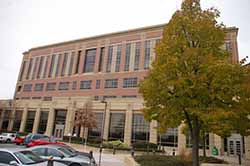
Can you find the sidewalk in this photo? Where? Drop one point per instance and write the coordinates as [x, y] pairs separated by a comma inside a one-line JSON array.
[[234, 161]]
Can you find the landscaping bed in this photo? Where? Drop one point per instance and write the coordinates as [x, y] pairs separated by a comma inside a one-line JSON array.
[[160, 160]]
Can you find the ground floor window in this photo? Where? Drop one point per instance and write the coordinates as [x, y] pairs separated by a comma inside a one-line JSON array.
[[201, 143], [30, 121], [96, 132], [140, 129], [43, 122], [6, 118], [169, 138], [17, 121], [116, 128]]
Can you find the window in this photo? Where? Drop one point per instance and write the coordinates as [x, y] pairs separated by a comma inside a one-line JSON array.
[[46, 66], [40, 67], [43, 122], [36, 98], [170, 138], [35, 68], [147, 54], [52, 63], [111, 83], [29, 68], [89, 61], [127, 57], [30, 121], [17, 121], [63, 86], [71, 63], [51, 86], [129, 96], [6, 158], [54, 153], [85, 84], [47, 98], [38, 87], [228, 46], [22, 71], [78, 61], [109, 61], [137, 56], [74, 85], [98, 84], [109, 97], [65, 60], [27, 87], [130, 82], [96, 132], [118, 58], [58, 64], [39, 151], [117, 124], [140, 128], [101, 59]]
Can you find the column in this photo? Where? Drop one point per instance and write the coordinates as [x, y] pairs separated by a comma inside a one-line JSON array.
[[211, 143], [1, 118], [36, 121], [12, 118], [106, 122], [128, 125], [181, 139], [153, 132], [50, 123], [69, 124], [24, 118], [219, 144], [247, 147]]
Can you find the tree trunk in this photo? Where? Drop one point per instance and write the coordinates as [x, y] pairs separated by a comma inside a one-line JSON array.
[[195, 142]]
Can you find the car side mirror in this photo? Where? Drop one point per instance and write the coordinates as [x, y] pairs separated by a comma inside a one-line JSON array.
[[14, 163], [62, 156]]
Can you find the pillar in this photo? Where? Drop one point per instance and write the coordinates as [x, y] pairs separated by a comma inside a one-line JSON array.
[[106, 122], [247, 147], [36, 121], [181, 139], [24, 118], [219, 144], [51, 121], [153, 132], [69, 123], [128, 125], [12, 118], [1, 118]]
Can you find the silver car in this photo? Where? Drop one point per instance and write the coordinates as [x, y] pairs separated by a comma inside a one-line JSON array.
[[61, 154], [22, 157]]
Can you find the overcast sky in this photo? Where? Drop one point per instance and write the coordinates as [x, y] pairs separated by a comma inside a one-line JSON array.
[[29, 23]]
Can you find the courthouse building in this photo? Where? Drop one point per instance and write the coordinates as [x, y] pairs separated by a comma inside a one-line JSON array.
[[57, 79]]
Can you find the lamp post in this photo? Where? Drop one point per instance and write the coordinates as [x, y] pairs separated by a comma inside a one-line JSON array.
[[102, 132]]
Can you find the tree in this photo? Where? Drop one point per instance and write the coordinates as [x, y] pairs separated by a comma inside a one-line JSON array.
[[192, 80], [85, 118]]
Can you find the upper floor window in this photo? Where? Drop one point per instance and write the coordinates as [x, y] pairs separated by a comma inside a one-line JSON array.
[[137, 55], [58, 64], [100, 65], [228, 46], [118, 58], [40, 67], [147, 54], [98, 84], [38, 87], [89, 61], [52, 63], [63, 86], [85, 84], [22, 71], [35, 68], [130, 82], [127, 57], [109, 61], [74, 85], [78, 61], [27, 87], [111, 83], [71, 63], [46, 66], [29, 68], [65, 60], [51, 86]]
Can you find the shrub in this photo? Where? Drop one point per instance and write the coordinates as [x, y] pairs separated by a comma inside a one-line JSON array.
[[144, 146], [212, 160]]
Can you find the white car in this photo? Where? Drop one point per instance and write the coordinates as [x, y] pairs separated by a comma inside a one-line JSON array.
[[7, 137]]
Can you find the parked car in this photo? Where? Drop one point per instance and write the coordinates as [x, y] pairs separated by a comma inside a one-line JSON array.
[[22, 157], [61, 154], [7, 137], [43, 142], [19, 140], [31, 137]]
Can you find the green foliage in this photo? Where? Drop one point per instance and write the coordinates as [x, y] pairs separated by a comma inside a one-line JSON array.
[[143, 145], [115, 144]]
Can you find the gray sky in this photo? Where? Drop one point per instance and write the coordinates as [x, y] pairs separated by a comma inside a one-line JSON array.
[[29, 23]]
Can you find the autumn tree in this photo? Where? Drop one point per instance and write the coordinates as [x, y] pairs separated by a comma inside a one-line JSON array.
[[85, 119], [192, 80]]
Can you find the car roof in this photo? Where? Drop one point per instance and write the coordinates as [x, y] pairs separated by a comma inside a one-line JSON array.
[[13, 149]]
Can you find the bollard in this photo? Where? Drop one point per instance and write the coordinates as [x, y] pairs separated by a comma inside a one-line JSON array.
[[239, 155], [91, 154], [173, 152], [132, 152], [50, 161], [153, 151], [113, 150]]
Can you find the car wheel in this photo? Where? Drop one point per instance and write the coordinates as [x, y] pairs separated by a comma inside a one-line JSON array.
[[74, 164], [8, 141]]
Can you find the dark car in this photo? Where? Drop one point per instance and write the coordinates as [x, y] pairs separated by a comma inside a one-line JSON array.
[[32, 137]]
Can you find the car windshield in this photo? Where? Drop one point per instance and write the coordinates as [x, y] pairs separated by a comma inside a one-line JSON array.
[[67, 152], [71, 149], [28, 157], [4, 134]]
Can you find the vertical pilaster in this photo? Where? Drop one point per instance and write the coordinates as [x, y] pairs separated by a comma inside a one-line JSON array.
[[247, 147], [50, 123], [128, 125], [36, 120], [153, 132], [24, 118], [181, 139], [106, 122], [12, 118], [69, 123]]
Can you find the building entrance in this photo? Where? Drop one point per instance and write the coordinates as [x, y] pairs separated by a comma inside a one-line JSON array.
[[235, 145], [59, 131]]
